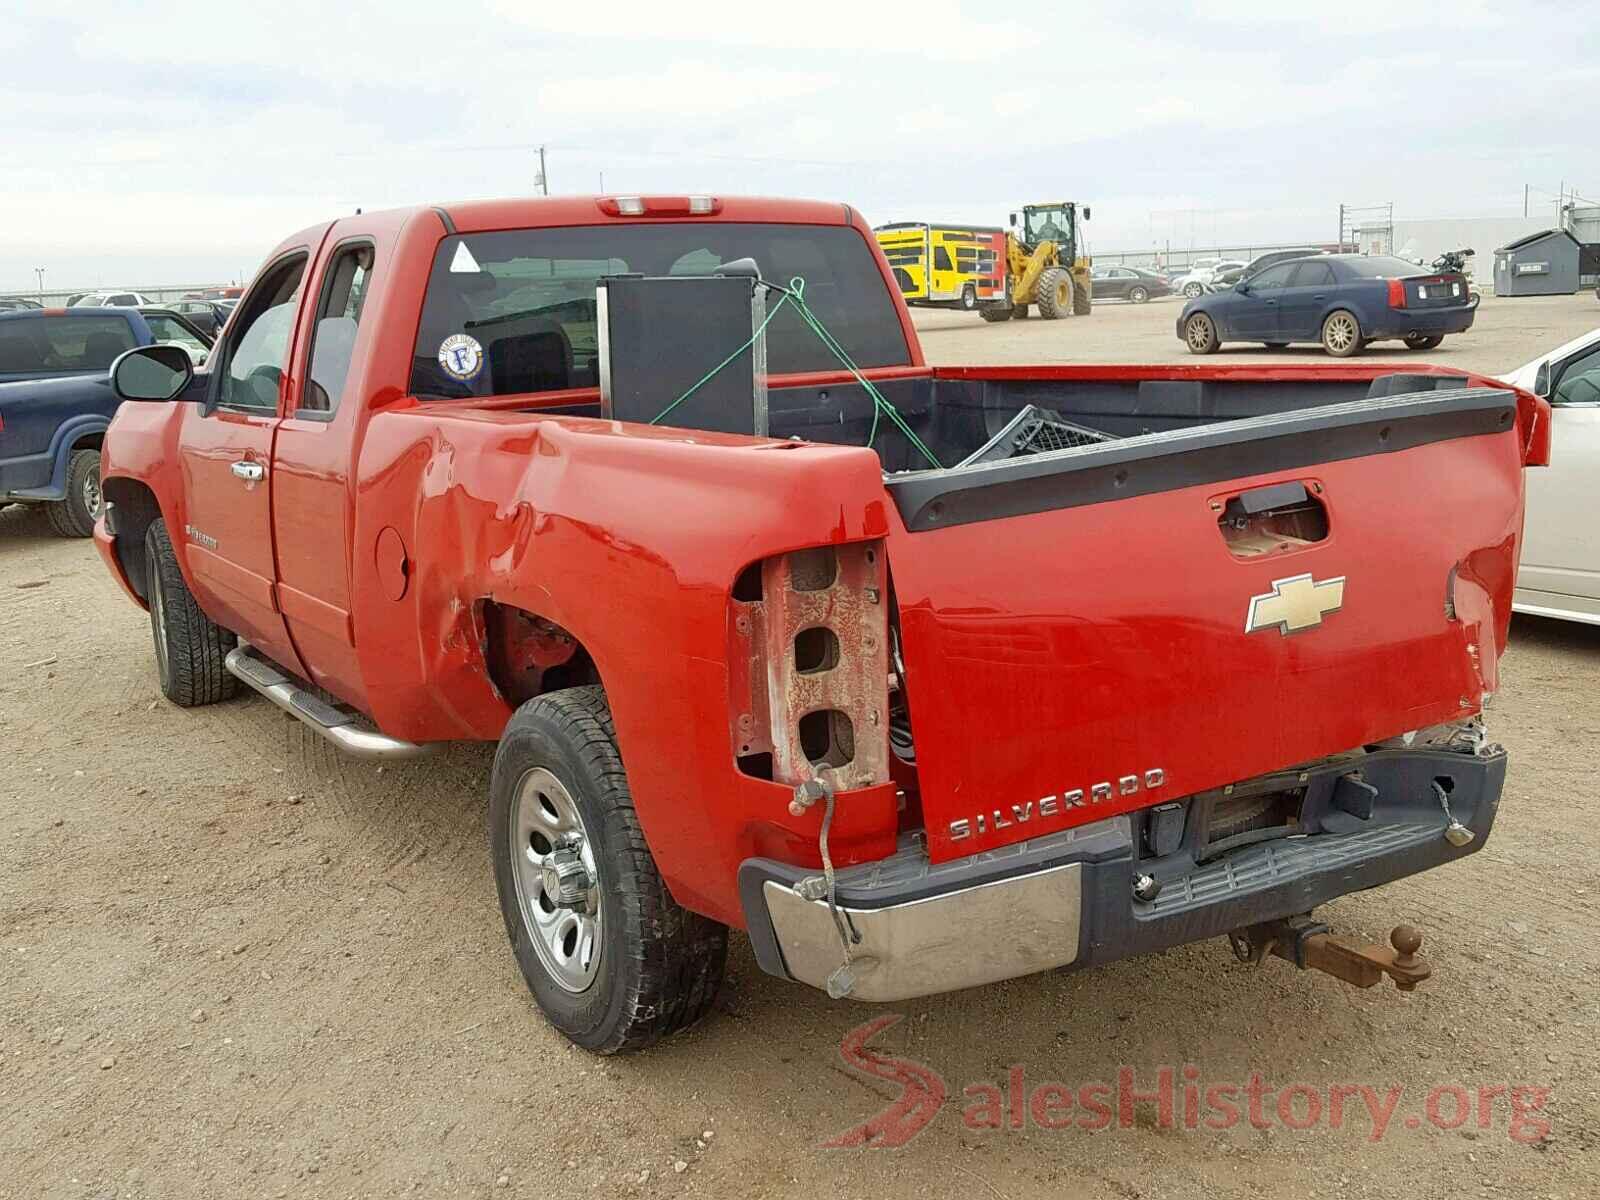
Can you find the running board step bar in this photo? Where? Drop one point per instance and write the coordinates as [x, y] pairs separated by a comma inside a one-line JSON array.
[[341, 726]]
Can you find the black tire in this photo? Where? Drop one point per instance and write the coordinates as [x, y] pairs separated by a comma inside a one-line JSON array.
[[1341, 334], [1200, 334], [1082, 296], [1427, 342], [1276, 345], [969, 298], [659, 964], [1054, 293], [995, 312], [190, 646], [75, 515], [1138, 295], [1020, 312]]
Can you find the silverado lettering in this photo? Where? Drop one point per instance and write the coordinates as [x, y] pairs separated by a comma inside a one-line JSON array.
[[715, 662]]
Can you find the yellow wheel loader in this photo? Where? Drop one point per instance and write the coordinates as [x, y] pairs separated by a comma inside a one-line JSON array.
[[1043, 266]]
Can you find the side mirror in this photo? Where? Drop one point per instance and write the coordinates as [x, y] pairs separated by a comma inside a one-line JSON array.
[[157, 373], [1242, 287], [1087, 212]]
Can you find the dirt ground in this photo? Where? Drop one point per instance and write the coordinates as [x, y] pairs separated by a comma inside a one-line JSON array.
[[235, 964]]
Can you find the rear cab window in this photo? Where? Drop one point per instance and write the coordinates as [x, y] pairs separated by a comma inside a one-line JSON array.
[[514, 311], [63, 343]]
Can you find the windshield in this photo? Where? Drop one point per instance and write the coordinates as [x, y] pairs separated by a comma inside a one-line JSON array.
[[1046, 224], [514, 311]]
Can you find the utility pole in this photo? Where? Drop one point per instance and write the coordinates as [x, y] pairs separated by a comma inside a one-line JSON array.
[[39, 275], [602, 183], [1341, 229], [544, 180], [1524, 200]]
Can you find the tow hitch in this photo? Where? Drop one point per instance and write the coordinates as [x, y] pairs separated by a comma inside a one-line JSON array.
[[1308, 943]]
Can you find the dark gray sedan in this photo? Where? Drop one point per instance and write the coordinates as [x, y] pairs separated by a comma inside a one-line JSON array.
[[1133, 284]]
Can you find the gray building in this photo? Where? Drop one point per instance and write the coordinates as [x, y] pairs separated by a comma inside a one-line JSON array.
[[1541, 264]]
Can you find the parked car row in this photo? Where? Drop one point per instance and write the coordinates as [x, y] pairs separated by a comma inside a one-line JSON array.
[[56, 400]]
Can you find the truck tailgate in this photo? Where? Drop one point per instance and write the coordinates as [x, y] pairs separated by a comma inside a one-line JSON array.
[[1096, 630]]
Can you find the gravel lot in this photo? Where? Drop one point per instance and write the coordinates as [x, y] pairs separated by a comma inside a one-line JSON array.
[[233, 963]]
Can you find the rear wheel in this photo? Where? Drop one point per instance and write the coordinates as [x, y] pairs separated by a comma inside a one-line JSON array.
[[1421, 342], [1200, 334], [190, 646], [74, 516], [995, 312], [1138, 295], [1341, 334], [1191, 290], [611, 958], [969, 298], [1020, 313], [1054, 292]]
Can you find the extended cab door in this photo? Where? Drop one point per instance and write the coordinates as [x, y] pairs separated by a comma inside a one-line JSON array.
[[313, 503], [226, 456]]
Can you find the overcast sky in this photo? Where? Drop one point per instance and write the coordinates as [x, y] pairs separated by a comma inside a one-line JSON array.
[[155, 142]]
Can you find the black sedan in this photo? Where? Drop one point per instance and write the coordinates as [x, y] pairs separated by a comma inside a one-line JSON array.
[[1343, 301], [1134, 284]]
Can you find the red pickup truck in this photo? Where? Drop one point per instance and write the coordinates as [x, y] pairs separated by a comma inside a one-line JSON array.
[[954, 675]]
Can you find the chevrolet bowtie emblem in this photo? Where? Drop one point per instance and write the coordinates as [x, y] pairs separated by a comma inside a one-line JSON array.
[[1294, 604]]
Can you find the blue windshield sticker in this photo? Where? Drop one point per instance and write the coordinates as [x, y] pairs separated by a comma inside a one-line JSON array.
[[461, 356]]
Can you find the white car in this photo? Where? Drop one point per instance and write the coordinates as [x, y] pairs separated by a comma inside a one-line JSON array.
[[1560, 572], [1200, 273], [113, 300]]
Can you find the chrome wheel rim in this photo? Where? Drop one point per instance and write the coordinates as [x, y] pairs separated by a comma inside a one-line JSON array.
[[91, 495], [1340, 332], [158, 621], [546, 826], [1199, 332]]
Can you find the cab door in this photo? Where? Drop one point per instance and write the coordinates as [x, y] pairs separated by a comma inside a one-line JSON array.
[[313, 504], [225, 454]]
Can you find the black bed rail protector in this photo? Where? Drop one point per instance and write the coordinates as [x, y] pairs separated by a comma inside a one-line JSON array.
[[1178, 458]]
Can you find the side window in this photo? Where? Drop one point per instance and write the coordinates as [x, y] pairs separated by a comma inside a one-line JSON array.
[[941, 259], [175, 332], [258, 342], [332, 342], [1580, 380], [1313, 274], [1272, 277]]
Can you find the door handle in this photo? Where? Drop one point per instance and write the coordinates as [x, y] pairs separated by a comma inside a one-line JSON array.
[[252, 472]]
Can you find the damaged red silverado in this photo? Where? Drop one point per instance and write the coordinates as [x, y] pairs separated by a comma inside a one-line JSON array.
[[954, 675]]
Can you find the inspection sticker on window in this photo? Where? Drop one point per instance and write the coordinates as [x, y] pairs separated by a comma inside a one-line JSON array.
[[461, 356]]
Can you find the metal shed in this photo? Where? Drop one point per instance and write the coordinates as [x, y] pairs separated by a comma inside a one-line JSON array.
[[1541, 264]]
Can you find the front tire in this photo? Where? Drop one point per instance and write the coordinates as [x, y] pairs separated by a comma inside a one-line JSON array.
[[190, 646], [75, 515], [1054, 292], [1200, 334], [1341, 334], [1424, 342], [613, 960]]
